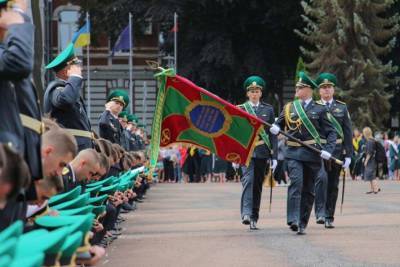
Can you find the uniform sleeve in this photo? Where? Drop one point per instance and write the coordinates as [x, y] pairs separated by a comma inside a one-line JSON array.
[[281, 119], [16, 54], [329, 130], [65, 97], [105, 129], [348, 134], [272, 137]]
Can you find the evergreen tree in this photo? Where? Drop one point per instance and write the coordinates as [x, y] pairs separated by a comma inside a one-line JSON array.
[[350, 38]]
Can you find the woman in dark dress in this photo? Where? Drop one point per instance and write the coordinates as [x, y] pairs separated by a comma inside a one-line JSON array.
[[370, 164]]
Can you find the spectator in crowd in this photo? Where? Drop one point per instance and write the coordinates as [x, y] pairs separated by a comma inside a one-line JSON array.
[[394, 155], [370, 164]]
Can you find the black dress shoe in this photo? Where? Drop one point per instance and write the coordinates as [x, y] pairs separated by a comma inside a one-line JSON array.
[[253, 225], [246, 219], [329, 224], [301, 231], [320, 220], [294, 227]]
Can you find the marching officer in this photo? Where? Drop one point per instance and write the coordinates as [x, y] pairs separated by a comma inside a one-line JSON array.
[[308, 121], [327, 184], [263, 155], [62, 99], [109, 126]]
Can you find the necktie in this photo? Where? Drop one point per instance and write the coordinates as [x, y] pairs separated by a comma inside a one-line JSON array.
[[304, 104], [328, 104], [255, 109]]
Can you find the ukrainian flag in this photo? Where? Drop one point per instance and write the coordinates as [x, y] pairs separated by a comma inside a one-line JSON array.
[[82, 37]]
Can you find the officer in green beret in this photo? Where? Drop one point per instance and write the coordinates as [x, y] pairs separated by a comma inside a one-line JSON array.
[[327, 184], [263, 156], [62, 99], [109, 126], [308, 121]]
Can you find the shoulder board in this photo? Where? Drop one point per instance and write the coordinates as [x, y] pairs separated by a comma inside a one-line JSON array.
[[65, 171], [265, 104], [319, 102], [341, 102]]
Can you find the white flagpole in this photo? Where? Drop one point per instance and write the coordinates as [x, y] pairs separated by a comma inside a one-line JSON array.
[[176, 41], [144, 103], [88, 73], [130, 63]]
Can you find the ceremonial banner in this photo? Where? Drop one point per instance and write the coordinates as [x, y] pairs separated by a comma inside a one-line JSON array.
[[186, 113]]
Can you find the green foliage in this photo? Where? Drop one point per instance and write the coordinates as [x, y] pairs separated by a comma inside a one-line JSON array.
[[220, 42], [351, 38], [299, 67]]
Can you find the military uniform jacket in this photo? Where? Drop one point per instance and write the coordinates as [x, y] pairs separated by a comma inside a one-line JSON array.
[[16, 63], [317, 113], [69, 179], [29, 105], [265, 112], [110, 128], [344, 147], [63, 102]]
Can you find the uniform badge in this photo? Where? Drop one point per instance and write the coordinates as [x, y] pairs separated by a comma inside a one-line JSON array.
[[65, 171]]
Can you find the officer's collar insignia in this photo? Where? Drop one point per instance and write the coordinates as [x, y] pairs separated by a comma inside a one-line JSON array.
[[65, 171]]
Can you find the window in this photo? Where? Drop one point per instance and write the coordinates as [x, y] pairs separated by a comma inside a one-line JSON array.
[[67, 26]]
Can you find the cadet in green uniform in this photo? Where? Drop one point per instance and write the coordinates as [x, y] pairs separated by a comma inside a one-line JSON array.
[[327, 184], [263, 155], [308, 121]]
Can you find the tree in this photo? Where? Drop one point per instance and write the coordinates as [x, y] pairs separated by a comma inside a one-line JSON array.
[[349, 38], [221, 42]]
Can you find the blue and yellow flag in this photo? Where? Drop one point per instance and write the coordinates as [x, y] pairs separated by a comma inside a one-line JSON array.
[[82, 37]]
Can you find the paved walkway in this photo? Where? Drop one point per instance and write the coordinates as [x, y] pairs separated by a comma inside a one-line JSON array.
[[199, 225]]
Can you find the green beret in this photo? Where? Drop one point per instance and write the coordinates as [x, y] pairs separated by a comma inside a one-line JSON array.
[[305, 81], [14, 230], [123, 115], [105, 182], [93, 190], [41, 241], [326, 79], [96, 201], [35, 260], [69, 248], [254, 82], [60, 198], [74, 203], [78, 211], [109, 190], [5, 261], [132, 118], [62, 60], [7, 247], [119, 95]]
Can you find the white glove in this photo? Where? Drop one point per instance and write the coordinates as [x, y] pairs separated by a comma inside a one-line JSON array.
[[346, 163], [325, 155], [235, 165], [274, 129], [274, 164]]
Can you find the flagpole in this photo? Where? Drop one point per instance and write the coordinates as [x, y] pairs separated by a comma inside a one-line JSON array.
[[144, 103], [88, 73], [176, 41], [130, 63]]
